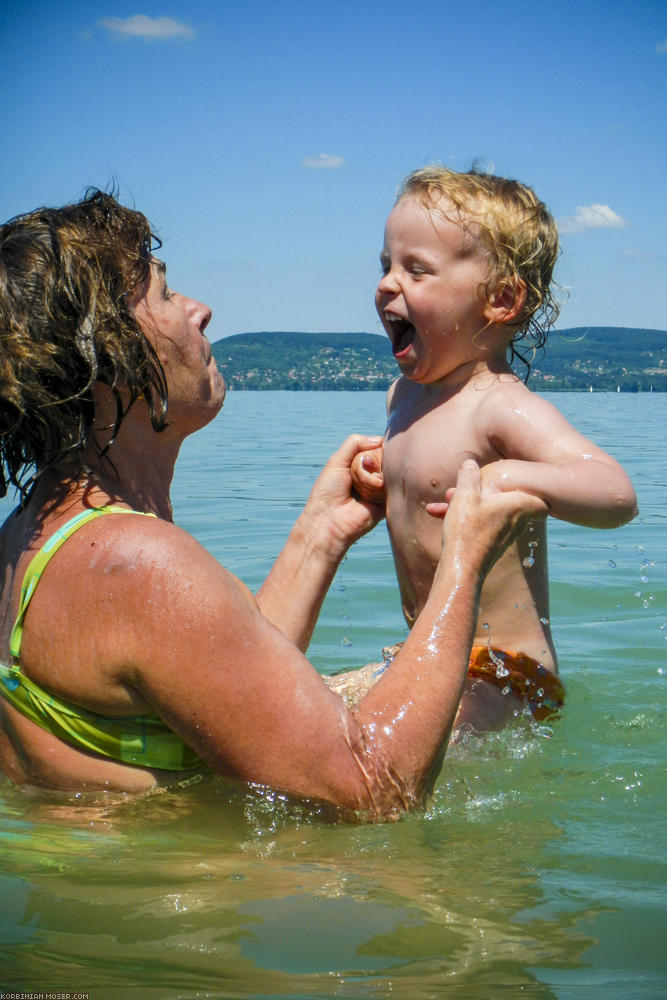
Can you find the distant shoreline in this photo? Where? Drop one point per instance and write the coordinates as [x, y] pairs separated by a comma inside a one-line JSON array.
[[579, 359], [531, 385]]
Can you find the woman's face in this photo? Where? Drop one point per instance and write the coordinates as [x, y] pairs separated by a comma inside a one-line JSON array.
[[174, 325]]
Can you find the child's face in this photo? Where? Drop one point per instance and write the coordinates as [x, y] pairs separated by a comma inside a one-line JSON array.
[[431, 298]]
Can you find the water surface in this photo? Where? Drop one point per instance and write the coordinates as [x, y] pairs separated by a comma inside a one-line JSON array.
[[537, 871]]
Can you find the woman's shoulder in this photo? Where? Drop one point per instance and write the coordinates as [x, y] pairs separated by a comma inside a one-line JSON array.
[[111, 549], [131, 541], [120, 591]]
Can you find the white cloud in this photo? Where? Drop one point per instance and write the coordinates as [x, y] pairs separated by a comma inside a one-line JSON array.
[[324, 161], [149, 29], [631, 254], [661, 48], [591, 217]]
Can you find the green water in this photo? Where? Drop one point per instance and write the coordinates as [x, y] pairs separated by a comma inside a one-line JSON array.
[[537, 871]]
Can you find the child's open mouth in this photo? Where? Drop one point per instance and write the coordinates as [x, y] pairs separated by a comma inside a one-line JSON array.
[[401, 332]]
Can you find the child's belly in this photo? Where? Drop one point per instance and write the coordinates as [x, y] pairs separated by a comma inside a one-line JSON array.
[[514, 609], [514, 604]]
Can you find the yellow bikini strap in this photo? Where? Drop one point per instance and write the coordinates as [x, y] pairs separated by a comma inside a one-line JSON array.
[[41, 560]]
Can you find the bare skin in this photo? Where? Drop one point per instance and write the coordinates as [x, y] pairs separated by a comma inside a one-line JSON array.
[[133, 616], [458, 399]]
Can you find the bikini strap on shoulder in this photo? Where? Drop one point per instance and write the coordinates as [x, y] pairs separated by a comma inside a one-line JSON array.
[[42, 558]]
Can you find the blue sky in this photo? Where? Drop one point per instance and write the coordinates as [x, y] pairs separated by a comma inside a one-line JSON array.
[[265, 141]]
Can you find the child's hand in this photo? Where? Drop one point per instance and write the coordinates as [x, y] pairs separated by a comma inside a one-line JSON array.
[[438, 508], [367, 478]]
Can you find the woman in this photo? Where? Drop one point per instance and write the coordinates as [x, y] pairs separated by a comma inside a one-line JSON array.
[[133, 657]]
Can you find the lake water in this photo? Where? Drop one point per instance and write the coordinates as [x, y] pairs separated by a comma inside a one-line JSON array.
[[539, 869]]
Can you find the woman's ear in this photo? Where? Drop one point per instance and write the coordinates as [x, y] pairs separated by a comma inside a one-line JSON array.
[[506, 302]]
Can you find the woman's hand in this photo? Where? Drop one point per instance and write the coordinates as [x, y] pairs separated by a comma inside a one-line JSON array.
[[332, 504], [482, 520], [492, 479]]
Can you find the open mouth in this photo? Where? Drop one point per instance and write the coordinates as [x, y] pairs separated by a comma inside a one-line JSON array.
[[401, 333]]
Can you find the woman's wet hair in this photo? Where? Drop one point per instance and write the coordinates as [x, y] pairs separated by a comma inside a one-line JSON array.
[[517, 231], [67, 277]]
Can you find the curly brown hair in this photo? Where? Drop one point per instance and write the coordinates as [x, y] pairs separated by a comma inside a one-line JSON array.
[[518, 232], [66, 280]]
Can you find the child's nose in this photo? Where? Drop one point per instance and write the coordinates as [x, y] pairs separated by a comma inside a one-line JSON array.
[[387, 284]]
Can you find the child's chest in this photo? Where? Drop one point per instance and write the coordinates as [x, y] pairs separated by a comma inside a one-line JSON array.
[[427, 440]]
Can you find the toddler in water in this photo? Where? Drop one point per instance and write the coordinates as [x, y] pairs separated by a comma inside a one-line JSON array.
[[467, 267]]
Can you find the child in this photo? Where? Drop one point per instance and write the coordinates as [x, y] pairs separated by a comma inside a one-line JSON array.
[[467, 267]]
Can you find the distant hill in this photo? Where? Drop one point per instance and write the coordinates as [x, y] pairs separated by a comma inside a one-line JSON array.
[[579, 358]]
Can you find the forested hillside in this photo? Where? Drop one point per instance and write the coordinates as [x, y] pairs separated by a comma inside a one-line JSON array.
[[580, 358]]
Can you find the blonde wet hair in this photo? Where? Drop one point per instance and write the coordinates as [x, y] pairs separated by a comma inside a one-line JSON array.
[[514, 227]]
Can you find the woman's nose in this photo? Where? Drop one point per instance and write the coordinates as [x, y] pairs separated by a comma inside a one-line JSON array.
[[203, 314]]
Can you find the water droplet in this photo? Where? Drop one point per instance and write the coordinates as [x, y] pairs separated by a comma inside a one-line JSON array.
[[486, 625]]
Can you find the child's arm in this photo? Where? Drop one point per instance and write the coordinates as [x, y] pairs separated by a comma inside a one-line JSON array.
[[545, 455]]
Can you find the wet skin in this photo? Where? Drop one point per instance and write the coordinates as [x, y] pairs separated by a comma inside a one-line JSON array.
[[132, 616], [458, 399]]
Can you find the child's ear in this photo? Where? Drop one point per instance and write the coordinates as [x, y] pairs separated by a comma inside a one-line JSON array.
[[506, 302]]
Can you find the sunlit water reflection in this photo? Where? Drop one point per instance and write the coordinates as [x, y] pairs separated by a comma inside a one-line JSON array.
[[537, 870]]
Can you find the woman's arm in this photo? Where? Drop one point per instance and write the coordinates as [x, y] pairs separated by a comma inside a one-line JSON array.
[[332, 520], [202, 655]]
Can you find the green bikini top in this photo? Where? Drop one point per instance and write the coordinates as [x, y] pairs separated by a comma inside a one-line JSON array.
[[144, 740]]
